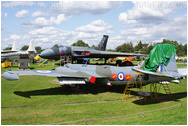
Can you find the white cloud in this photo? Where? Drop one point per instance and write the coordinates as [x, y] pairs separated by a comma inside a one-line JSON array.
[[22, 14], [152, 21], [40, 14], [41, 4], [5, 15], [50, 35], [175, 29], [123, 18], [10, 40], [15, 37], [150, 11], [43, 22], [78, 7], [95, 26], [16, 4]]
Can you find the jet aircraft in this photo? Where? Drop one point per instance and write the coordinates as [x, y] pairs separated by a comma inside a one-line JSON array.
[[13, 55], [83, 52], [14, 48], [76, 74]]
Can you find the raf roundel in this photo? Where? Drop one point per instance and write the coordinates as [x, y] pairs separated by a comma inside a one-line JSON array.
[[62, 52], [121, 76]]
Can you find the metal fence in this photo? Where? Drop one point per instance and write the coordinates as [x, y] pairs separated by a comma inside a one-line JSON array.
[[139, 113]]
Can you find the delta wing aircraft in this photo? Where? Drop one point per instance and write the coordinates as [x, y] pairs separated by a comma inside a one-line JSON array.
[[12, 55], [83, 52], [159, 66]]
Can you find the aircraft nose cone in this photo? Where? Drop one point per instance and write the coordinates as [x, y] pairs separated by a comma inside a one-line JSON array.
[[47, 54]]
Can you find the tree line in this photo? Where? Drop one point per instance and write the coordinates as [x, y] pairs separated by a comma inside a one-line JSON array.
[[181, 50], [126, 47]]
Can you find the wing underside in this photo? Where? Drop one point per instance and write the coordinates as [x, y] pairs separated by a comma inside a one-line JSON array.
[[65, 77], [102, 54], [162, 75]]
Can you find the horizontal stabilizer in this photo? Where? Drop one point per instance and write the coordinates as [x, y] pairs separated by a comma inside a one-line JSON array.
[[151, 73], [177, 77]]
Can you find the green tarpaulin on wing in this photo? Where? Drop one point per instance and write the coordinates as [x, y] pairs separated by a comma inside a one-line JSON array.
[[159, 55]]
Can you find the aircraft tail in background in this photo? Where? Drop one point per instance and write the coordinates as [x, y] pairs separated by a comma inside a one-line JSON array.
[[15, 46], [31, 46], [102, 43]]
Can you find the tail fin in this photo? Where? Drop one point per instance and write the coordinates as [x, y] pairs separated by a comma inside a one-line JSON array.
[[161, 54], [31, 46], [162, 60], [102, 44], [171, 68], [14, 46]]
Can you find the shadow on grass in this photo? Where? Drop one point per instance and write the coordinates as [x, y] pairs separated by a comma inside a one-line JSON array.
[[161, 98], [96, 89], [67, 90]]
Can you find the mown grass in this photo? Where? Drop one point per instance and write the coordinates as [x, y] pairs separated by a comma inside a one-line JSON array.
[[182, 65], [170, 116], [38, 100]]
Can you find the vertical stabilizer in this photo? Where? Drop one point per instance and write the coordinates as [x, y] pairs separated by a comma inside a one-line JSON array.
[[31, 46], [102, 44], [171, 68], [159, 56], [15, 46]]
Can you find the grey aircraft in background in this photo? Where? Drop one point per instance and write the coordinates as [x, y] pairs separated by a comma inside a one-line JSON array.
[[76, 74], [84, 52], [14, 55]]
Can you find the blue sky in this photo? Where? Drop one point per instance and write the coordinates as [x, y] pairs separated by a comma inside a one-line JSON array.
[[65, 22]]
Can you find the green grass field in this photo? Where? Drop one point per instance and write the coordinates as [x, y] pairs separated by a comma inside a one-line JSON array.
[[39, 100]]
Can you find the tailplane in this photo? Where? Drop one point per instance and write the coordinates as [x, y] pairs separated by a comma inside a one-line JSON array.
[[102, 44]]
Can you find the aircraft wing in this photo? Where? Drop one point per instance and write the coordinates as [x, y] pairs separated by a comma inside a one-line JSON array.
[[13, 75], [7, 51], [152, 73], [102, 54], [65, 75]]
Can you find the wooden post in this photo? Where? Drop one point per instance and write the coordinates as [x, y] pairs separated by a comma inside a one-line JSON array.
[[85, 121]]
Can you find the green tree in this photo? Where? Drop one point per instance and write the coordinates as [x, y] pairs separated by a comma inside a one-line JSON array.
[[170, 42], [93, 46], [147, 50], [80, 43], [7, 48], [38, 49], [181, 50], [138, 47], [126, 47], [185, 49], [25, 47], [111, 50]]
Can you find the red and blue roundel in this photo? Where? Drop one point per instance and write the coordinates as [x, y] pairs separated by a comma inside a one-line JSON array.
[[62, 52], [121, 76]]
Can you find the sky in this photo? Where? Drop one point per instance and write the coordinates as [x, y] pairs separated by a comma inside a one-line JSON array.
[[65, 22]]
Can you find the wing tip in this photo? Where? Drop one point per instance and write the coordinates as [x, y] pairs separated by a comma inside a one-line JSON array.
[[10, 76]]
